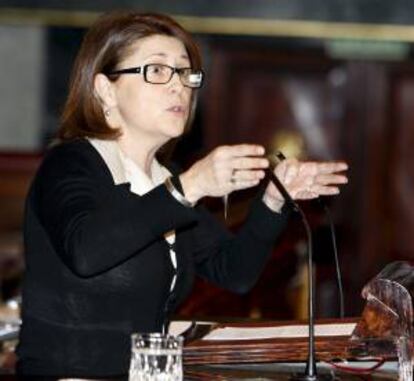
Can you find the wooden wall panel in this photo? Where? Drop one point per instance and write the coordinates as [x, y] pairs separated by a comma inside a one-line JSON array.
[[359, 111], [400, 171], [258, 95]]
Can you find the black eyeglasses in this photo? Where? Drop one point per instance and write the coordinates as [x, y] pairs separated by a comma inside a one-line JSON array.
[[159, 74]]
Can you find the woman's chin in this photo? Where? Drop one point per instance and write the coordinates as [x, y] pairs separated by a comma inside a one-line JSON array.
[[175, 130]]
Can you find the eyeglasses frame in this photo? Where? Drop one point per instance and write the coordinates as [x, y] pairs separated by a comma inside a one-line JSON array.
[[143, 70]]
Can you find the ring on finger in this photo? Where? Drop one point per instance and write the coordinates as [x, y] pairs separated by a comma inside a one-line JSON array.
[[233, 176]]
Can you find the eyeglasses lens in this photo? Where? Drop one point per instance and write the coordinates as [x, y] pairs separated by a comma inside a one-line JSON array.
[[192, 79], [160, 74]]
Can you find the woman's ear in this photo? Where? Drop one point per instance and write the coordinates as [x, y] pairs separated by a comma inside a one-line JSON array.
[[104, 91]]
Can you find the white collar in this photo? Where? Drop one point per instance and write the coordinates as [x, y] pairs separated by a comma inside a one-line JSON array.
[[124, 170]]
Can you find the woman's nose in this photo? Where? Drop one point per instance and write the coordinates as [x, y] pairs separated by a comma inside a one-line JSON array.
[[175, 83]]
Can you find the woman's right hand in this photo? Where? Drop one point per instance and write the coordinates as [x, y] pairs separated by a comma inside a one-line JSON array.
[[224, 170]]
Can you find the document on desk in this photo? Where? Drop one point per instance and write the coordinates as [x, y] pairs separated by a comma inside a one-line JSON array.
[[280, 332]]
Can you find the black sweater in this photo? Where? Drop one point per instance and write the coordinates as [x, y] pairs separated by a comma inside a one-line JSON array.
[[98, 266]]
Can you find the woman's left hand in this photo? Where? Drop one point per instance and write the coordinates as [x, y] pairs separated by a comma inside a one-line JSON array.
[[305, 180]]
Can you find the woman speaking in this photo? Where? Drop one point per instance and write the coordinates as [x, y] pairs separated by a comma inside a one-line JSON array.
[[114, 236]]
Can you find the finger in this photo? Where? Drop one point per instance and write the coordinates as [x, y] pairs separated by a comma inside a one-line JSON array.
[[241, 150], [315, 191], [243, 175], [249, 163], [244, 184], [306, 195], [331, 167], [330, 179], [323, 190]]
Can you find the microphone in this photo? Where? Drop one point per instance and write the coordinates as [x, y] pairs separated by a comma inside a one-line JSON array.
[[275, 159], [310, 373]]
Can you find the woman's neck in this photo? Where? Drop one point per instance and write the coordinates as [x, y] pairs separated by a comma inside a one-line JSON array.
[[141, 154]]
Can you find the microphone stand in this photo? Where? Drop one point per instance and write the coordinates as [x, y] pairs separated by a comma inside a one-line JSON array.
[[310, 370]]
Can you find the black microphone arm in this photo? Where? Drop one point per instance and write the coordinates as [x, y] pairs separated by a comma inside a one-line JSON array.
[[310, 370], [276, 158]]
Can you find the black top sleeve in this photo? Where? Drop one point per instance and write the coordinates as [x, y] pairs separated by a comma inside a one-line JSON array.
[[93, 224], [235, 261]]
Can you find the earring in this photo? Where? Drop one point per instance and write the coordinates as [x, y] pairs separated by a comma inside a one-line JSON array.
[[107, 112]]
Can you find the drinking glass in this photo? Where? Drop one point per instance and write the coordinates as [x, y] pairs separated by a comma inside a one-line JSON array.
[[156, 357]]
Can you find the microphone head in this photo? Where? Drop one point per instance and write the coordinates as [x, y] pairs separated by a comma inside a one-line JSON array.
[[275, 158]]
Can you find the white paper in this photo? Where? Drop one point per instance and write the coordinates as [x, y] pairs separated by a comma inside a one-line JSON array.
[[178, 327], [282, 332]]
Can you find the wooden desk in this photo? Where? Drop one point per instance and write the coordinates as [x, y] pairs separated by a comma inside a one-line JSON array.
[[262, 372], [280, 372], [250, 369]]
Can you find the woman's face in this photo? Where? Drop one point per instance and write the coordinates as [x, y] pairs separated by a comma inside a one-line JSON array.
[[153, 112]]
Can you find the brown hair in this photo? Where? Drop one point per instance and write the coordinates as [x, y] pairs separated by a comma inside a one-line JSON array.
[[105, 45]]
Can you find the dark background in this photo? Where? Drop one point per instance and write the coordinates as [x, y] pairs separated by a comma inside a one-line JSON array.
[[361, 11], [310, 95]]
